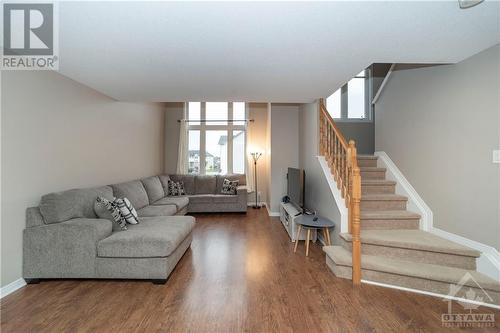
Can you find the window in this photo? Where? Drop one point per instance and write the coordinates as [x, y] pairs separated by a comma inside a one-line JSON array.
[[216, 137], [352, 101]]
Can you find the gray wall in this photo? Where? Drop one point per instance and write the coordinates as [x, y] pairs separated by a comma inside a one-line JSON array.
[[440, 125], [363, 133], [58, 134], [284, 149], [317, 192]]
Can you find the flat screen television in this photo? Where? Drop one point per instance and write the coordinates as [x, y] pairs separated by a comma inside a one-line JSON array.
[[295, 186]]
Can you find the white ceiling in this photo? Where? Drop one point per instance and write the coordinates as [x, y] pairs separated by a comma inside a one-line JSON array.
[[273, 52]]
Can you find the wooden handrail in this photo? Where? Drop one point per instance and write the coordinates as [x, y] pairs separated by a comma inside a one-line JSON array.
[[343, 162]]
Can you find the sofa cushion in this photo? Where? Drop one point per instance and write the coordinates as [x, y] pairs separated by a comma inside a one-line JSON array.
[[188, 181], [153, 187], [134, 191], [179, 201], [164, 183], [201, 198], [62, 206], [241, 178], [205, 184], [152, 237], [163, 210], [225, 198]]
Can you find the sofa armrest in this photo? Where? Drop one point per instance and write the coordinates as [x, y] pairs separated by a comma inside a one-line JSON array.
[[63, 250], [241, 189]]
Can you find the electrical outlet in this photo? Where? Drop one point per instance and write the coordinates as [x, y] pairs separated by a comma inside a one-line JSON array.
[[496, 156]]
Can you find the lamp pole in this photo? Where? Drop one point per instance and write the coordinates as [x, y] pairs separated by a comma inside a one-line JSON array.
[[256, 156]]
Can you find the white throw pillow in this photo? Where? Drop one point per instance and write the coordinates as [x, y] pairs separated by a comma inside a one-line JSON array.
[[127, 210], [106, 209]]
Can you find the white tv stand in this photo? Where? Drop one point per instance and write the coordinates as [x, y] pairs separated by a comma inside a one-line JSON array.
[[288, 214]]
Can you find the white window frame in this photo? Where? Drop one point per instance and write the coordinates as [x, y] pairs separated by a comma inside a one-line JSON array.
[[344, 107], [203, 127]]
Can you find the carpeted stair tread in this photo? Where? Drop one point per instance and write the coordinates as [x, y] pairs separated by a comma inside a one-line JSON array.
[[377, 182], [432, 272], [367, 157], [388, 215], [383, 197], [413, 239]]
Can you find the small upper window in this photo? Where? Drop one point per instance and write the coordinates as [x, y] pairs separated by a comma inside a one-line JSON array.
[[351, 102]]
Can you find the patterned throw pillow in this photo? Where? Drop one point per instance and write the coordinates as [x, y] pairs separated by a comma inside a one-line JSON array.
[[229, 187], [106, 209], [175, 188], [127, 210]]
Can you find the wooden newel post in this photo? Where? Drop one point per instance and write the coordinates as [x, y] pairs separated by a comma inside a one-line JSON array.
[[356, 241]]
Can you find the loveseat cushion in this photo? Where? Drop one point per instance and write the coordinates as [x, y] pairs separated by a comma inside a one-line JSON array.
[[180, 201], [241, 178], [152, 237], [153, 188], [205, 184], [134, 191], [188, 181], [163, 210], [62, 206]]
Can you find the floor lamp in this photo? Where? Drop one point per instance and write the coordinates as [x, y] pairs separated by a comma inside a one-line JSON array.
[[256, 156]]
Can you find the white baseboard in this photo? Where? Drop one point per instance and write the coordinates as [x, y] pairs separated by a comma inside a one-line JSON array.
[[489, 261], [11, 287], [428, 293], [272, 214], [337, 195], [403, 187]]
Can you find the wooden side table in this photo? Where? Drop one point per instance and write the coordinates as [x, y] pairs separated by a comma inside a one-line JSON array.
[[312, 222]]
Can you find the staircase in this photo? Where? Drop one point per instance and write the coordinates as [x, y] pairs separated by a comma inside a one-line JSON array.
[[395, 252]]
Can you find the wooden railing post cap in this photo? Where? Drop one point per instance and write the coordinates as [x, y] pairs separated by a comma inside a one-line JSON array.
[[352, 143]]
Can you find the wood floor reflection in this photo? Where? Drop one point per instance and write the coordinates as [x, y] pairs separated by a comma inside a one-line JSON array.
[[240, 275]]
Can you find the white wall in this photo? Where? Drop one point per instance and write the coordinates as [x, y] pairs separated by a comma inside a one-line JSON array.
[[440, 125], [173, 112], [58, 134], [318, 195], [284, 149]]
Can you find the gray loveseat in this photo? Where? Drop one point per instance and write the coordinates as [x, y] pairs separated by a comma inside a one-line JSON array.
[[64, 238]]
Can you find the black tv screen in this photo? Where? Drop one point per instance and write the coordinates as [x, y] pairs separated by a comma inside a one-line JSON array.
[[295, 186]]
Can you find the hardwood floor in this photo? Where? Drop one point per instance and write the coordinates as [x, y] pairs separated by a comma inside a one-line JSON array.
[[240, 275]]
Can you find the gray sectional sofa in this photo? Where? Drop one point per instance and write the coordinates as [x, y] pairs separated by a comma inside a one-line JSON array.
[[64, 238]]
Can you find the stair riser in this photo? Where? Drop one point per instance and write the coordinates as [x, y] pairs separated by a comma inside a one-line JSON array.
[[417, 256], [389, 224], [372, 174], [378, 189], [438, 287], [367, 163], [426, 285], [383, 204]]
